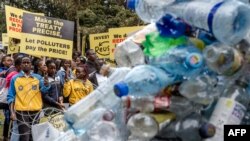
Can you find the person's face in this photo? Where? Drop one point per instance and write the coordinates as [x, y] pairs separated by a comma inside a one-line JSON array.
[[92, 56], [26, 65], [42, 67], [8, 62], [52, 69], [67, 64], [80, 73], [104, 70], [78, 61]]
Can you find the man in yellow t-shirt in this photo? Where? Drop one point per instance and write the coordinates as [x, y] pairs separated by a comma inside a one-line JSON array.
[[25, 98]]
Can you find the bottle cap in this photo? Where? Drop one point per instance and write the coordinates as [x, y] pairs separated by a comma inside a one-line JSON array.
[[207, 130], [194, 60], [121, 89], [131, 4]]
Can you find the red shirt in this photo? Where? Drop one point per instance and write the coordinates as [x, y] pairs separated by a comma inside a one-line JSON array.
[[9, 77]]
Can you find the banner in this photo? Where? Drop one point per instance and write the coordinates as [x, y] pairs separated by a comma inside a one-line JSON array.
[[100, 44], [117, 35], [14, 21], [46, 36]]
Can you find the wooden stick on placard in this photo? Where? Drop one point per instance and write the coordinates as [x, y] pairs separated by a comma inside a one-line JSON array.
[[44, 59]]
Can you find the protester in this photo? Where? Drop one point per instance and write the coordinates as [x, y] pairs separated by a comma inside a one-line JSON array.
[[65, 71], [96, 78], [78, 88], [25, 98], [80, 61], [6, 68], [53, 98], [40, 67], [18, 62], [92, 61]]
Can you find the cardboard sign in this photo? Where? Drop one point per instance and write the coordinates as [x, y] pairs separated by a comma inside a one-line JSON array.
[[100, 44], [117, 35], [46, 36]]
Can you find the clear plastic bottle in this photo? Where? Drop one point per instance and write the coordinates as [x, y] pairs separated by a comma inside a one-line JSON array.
[[144, 80], [150, 10], [200, 89], [223, 59], [146, 103], [230, 108], [182, 107], [181, 60], [227, 20], [104, 131], [191, 128], [129, 54], [142, 127], [83, 125]]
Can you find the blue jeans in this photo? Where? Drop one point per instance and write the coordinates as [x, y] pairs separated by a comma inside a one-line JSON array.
[[15, 133]]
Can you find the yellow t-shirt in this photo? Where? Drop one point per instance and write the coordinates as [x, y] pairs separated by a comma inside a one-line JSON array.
[[76, 90]]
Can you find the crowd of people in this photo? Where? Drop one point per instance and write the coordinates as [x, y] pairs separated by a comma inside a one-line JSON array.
[[35, 83]]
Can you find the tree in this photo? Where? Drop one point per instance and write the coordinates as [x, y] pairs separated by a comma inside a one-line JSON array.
[[90, 16]]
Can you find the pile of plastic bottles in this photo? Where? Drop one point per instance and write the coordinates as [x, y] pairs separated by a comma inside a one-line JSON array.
[[190, 62]]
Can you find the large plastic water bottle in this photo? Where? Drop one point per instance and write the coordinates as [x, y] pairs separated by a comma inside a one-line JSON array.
[[191, 128], [223, 59], [144, 80], [227, 20], [181, 60], [150, 10], [230, 108]]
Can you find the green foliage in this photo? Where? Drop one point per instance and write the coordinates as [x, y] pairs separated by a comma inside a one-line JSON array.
[[95, 16], [2, 23]]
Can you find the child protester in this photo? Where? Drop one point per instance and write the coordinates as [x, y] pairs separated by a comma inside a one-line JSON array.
[[78, 88], [53, 98]]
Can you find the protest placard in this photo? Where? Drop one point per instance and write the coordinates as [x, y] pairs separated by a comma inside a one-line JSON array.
[[14, 21], [46, 36], [100, 44], [117, 35]]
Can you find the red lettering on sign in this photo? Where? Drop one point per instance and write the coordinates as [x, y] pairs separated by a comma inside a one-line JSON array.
[[116, 41], [14, 29], [15, 20]]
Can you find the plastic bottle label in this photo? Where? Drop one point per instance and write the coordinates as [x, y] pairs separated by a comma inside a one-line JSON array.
[[196, 13], [201, 14], [227, 111]]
